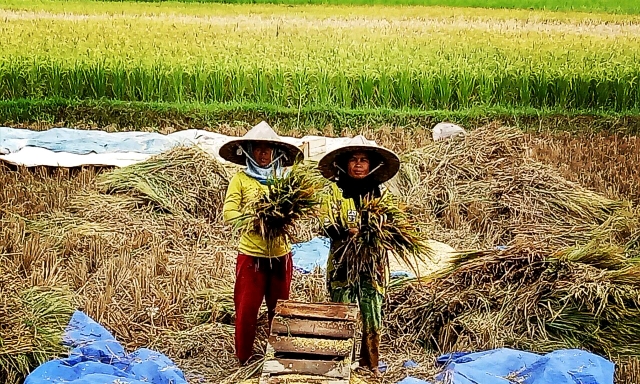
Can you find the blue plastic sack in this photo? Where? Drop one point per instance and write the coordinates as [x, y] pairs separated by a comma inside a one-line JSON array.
[[97, 358]]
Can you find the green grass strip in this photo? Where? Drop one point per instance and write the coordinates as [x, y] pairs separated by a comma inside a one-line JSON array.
[[609, 6], [121, 116]]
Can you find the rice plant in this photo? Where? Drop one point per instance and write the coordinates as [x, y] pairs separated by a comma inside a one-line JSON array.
[[417, 62], [384, 229]]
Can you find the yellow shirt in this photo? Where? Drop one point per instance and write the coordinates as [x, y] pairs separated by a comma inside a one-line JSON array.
[[336, 208], [243, 190]]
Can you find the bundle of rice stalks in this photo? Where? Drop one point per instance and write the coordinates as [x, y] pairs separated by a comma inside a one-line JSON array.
[[528, 297], [185, 179], [488, 181], [212, 304], [291, 198], [384, 228], [32, 321]]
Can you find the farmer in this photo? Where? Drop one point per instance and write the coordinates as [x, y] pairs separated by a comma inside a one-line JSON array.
[[357, 170], [263, 271]]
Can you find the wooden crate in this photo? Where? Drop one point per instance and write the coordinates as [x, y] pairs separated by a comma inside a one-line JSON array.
[[310, 343]]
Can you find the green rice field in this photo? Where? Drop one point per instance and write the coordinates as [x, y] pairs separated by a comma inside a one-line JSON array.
[[623, 6], [332, 57]]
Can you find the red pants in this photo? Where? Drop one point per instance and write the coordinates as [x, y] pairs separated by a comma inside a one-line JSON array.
[[257, 278]]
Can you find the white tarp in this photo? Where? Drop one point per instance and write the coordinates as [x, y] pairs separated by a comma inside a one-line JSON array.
[[65, 147]]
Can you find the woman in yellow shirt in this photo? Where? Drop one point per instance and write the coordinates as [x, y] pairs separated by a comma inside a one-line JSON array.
[[263, 271], [358, 171]]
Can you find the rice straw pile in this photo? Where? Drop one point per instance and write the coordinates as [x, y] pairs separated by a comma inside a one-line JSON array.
[[184, 179], [487, 184], [291, 198], [143, 250], [568, 275], [142, 262]]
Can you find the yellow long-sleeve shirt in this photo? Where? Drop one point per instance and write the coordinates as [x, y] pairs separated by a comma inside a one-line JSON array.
[[335, 208], [242, 190]]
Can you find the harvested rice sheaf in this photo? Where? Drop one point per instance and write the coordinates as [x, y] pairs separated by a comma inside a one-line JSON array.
[[32, 321], [291, 198], [526, 298], [384, 228]]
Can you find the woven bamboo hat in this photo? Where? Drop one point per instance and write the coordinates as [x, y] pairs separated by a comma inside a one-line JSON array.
[[232, 150], [383, 162]]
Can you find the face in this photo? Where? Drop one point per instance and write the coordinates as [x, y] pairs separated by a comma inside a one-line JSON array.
[[358, 165], [262, 154]]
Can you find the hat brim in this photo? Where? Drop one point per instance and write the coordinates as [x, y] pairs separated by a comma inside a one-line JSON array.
[[228, 151], [390, 167]]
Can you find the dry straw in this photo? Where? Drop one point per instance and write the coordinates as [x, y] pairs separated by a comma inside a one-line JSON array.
[[185, 179], [568, 276], [141, 261], [158, 271], [293, 197], [384, 229], [31, 329]]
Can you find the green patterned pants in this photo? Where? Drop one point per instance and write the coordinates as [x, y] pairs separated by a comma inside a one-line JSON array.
[[370, 302]]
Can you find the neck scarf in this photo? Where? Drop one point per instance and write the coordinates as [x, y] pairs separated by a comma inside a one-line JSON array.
[[357, 189]]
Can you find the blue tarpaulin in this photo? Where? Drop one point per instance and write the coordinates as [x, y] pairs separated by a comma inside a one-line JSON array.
[[97, 358], [508, 366], [314, 254]]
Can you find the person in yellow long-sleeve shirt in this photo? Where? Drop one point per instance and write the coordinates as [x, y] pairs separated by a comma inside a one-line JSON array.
[[358, 171], [263, 270]]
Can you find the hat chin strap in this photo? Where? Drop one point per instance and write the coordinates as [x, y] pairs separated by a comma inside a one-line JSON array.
[[367, 175], [258, 165]]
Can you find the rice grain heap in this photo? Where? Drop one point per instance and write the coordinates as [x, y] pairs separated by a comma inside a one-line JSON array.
[[566, 274]]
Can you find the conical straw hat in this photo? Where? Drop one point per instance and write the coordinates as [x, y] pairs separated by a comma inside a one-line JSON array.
[[231, 150], [388, 169]]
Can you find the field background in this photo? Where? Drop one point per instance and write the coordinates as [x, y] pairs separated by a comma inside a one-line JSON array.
[[316, 65]]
